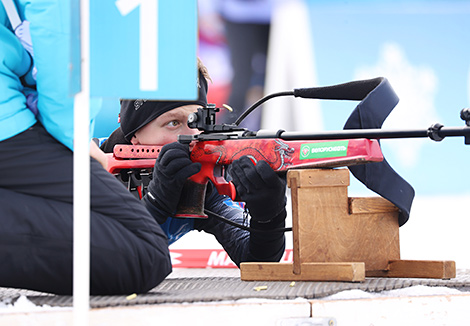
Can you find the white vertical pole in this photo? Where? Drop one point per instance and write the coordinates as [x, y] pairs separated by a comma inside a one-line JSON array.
[[81, 181], [290, 64]]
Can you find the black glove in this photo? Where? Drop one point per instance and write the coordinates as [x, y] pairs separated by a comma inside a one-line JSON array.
[[263, 191], [172, 168]]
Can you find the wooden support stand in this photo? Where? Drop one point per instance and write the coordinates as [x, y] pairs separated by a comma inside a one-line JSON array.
[[336, 238]]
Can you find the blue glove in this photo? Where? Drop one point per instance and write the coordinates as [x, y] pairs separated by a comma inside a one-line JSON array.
[[172, 168], [263, 191]]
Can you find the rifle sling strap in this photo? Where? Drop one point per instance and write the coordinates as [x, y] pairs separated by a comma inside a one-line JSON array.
[[377, 101]]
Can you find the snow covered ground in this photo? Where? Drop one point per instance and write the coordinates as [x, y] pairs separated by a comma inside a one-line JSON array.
[[438, 229], [416, 305]]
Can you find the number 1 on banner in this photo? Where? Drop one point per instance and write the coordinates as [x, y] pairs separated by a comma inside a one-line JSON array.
[[148, 39]]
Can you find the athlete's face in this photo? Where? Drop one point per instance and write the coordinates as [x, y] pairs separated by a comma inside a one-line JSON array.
[[166, 128]]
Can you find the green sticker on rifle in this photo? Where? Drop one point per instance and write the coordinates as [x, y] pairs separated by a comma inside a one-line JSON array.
[[324, 149]]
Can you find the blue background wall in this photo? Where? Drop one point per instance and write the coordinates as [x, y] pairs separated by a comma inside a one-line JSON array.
[[423, 48]]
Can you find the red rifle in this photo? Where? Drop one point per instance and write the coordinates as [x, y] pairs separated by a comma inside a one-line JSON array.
[[215, 155]]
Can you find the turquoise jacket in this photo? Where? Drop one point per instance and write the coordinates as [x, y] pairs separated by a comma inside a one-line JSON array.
[[50, 27]]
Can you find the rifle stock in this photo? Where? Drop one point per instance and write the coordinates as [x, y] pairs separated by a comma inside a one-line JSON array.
[[216, 155]]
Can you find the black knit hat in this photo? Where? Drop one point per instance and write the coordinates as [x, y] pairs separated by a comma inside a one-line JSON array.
[[137, 113]]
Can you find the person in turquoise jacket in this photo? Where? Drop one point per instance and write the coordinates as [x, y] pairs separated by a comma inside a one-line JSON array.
[[129, 251]]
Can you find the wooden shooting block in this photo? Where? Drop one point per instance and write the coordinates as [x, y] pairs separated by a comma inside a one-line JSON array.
[[337, 238]]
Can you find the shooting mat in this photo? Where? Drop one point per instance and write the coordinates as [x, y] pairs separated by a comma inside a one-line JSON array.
[[211, 285]]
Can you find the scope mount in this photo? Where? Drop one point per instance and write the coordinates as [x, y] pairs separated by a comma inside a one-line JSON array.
[[204, 119]]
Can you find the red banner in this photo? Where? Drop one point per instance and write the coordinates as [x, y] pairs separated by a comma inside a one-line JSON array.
[[209, 258]]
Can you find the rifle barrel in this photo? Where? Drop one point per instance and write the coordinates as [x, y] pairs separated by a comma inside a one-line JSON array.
[[374, 134]]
